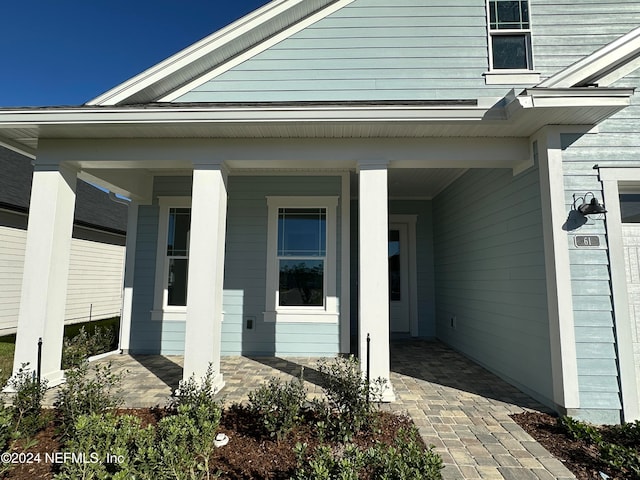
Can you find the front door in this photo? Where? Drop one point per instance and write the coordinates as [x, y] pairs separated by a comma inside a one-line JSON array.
[[399, 307]]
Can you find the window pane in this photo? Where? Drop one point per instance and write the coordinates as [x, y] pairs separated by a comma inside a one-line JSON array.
[[302, 232], [301, 283], [508, 14], [177, 282], [179, 226], [630, 207], [394, 265], [509, 51]]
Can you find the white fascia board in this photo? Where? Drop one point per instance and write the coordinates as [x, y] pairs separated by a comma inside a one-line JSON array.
[[261, 47], [599, 64], [575, 97], [195, 52], [87, 116]]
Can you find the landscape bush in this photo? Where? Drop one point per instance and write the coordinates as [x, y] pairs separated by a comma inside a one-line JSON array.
[[277, 406], [618, 445], [186, 439], [86, 391], [27, 414], [405, 459], [111, 446], [80, 347], [350, 398]]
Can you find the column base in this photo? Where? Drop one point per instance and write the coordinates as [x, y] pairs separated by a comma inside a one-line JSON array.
[[389, 395]]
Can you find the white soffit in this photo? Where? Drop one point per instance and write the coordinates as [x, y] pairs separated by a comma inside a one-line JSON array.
[[603, 67]]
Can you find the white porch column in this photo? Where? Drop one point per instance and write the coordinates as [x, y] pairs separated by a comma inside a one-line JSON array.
[[46, 270], [564, 363], [373, 269], [129, 266], [206, 271]]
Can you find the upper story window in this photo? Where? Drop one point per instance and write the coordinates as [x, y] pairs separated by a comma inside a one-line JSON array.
[[510, 35]]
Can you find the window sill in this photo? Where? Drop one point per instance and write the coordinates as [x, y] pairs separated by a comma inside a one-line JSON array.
[[301, 316], [511, 77]]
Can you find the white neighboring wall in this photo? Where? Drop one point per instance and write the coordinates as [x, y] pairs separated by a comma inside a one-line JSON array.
[[95, 279]]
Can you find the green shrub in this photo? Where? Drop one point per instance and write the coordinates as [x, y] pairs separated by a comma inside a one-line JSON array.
[[344, 462], [114, 447], [186, 439], [406, 459], [86, 391], [276, 406], [617, 445], [623, 459], [83, 345], [349, 408], [27, 413], [580, 430]]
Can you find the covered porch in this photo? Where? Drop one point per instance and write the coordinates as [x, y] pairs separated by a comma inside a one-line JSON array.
[[468, 155]]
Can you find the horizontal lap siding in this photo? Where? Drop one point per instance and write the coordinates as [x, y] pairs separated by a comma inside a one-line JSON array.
[[369, 50], [12, 245], [490, 276], [94, 285], [245, 271], [617, 143], [146, 335], [95, 281], [565, 31]]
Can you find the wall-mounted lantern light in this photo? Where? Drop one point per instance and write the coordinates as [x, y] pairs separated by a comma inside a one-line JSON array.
[[593, 207]]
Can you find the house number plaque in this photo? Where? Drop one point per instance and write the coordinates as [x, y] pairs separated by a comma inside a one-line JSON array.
[[587, 241]]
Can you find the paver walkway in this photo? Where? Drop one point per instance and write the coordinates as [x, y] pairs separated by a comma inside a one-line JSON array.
[[457, 405]]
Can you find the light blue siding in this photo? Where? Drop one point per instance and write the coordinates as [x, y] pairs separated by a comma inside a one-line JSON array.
[[369, 50], [564, 31], [617, 143], [146, 335], [245, 273], [491, 301], [245, 270]]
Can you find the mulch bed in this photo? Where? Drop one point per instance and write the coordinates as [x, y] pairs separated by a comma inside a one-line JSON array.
[[577, 455], [248, 456]]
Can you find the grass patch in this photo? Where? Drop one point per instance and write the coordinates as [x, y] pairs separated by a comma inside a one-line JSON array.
[[8, 342], [7, 347]]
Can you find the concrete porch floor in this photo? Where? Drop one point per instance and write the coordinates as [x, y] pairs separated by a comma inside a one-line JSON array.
[[457, 405]]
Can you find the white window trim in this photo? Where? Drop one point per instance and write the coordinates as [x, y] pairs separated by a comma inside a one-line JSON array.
[[329, 312], [505, 75], [162, 311]]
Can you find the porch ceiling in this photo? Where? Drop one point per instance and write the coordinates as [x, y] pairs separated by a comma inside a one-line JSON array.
[[415, 183]]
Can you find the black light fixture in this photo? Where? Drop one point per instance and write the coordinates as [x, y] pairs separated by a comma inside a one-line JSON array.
[[594, 207]]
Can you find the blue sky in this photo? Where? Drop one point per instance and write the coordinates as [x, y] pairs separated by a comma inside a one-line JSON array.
[[66, 52]]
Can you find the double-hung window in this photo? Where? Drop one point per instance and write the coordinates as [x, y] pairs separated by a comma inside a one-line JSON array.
[[509, 35], [301, 270], [172, 258], [178, 255]]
